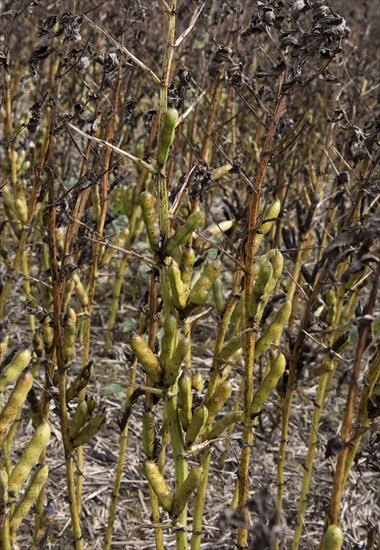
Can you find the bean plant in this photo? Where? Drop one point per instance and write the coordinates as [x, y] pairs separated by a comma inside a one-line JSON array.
[[189, 190]]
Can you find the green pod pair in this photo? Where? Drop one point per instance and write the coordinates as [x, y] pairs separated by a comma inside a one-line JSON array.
[[268, 384], [184, 232], [199, 293], [29, 498], [14, 368], [217, 400], [15, 401], [269, 217], [80, 382], [150, 217], [146, 357], [90, 429], [78, 420], [274, 330], [159, 485], [29, 457], [262, 279], [183, 493], [173, 366], [198, 422]]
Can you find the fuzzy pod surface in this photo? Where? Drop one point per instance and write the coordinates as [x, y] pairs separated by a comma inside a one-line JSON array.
[[146, 357], [333, 538], [29, 457], [15, 401], [158, 484], [13, 370]]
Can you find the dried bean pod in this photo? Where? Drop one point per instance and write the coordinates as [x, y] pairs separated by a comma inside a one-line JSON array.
[[78, 419], [80, 382]]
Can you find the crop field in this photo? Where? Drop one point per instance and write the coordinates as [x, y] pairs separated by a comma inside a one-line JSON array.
[[189, 275]]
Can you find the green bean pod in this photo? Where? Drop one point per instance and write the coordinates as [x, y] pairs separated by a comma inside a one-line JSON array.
[[221, 394], [178, 292], [197, 381], [183, 493], [68, 339], [220, 302], [29, 457], [47, 334], [3, 492], [148, 434], [150, 217], [168, 340], [166, 136], [277, 261], [3, 347], [15, 401], [196, 425], [199, 293], [185, 400], [260, 287], [231, 346], [184, 232], [80, 290], [20, 208], [333, 538], [29, 498], [186, 266], [146, 357], [271, 213], [78, 419], [268, 384], [80, 382], [90, 429], [274, 330], [173, 366], [225, 422], [158, 484], [117, 242], [13, 370]]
